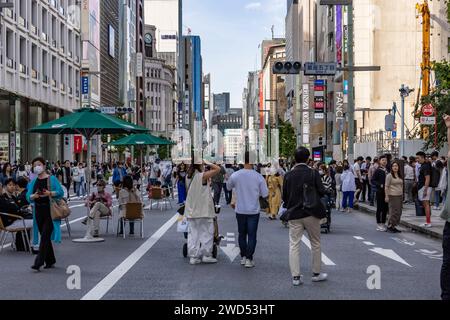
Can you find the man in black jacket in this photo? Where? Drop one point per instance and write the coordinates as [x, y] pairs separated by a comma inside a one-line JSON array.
[[301, 218], [378, 180]]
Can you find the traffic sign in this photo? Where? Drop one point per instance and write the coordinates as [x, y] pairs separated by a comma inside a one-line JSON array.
[[320, 69], [428, 120], [394, 134], [428, 110]]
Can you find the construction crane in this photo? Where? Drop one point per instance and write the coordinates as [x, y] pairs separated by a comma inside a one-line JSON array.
[[425, 65]]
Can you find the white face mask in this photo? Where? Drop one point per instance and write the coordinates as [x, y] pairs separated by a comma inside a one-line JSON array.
[[38, 170], [321, 172]]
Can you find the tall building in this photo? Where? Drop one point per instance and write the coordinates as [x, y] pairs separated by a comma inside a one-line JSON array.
[[109, 53], [193, 104], [273, 86], [140, 80], [167, 17], [160, 89], [222, 103], [40, 49], [207, 102], [251, 103]]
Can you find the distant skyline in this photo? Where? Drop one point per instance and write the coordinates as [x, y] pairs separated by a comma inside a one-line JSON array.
[[231, 31]]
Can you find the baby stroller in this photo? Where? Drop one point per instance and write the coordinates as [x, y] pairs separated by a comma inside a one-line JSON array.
[[329, 203], [217, 236]]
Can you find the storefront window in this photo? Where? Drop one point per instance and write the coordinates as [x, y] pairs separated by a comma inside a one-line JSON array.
[[35, 139]]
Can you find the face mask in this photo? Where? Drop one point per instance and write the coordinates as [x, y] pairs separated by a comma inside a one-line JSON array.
[[320, 172], [38, 170]]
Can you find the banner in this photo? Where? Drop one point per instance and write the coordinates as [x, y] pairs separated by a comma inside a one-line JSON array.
[[77, 144]]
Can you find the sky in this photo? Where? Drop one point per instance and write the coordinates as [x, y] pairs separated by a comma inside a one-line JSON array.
[[231, 31]]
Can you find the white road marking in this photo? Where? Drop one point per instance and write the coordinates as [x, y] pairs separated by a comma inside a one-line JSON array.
[[64, 224], [404, 241], [327, 261], [358, 238], [231, 251], [112, 278], [388, 253], [368, 243]]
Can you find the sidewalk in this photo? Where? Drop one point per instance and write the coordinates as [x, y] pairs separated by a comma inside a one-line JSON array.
[[410, 220]]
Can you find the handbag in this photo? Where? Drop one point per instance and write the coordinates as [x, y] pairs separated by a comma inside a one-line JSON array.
[[263, 203], [182, 225], [59, 209]]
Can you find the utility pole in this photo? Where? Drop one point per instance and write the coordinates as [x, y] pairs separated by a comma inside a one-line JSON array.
[[404, 93], [351, 92]]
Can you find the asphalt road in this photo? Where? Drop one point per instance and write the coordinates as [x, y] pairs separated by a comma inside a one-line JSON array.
[[154, 267]]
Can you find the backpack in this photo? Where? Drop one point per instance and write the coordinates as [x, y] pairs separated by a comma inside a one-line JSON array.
[[435, 177]]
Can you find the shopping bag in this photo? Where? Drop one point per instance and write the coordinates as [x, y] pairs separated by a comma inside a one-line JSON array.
[[182, 225]]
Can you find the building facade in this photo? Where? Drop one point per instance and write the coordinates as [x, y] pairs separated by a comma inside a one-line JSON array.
[[39, 75], [222, 103]]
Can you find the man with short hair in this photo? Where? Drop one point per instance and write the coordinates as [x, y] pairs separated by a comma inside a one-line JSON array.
[[409, 179], [66, 177], [249, 186], [301, 217], [423, 186]]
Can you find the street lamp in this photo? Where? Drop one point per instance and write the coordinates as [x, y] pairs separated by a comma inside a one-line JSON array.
[[404, 93]]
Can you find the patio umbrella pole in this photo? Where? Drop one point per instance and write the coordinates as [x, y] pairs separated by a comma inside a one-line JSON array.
[[88, 238]]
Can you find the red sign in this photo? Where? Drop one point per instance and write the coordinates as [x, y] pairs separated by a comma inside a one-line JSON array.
[[77, 144], [319, 105], [428, 110]]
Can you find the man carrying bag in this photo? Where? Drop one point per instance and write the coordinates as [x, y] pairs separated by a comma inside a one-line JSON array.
[[302, 193]]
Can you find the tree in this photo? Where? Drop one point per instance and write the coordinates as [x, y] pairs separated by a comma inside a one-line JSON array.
[[164, 152], [440, 99], [287, 137]]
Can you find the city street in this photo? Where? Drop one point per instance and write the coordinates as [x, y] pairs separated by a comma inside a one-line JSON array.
[[154, 267]]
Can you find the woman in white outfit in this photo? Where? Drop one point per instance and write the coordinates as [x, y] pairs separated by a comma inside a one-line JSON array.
[[200, 213]]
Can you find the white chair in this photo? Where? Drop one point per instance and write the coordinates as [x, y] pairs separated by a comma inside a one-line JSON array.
[[18, 226]]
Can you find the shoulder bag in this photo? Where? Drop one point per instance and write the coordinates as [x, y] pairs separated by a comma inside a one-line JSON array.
[[59, 209]]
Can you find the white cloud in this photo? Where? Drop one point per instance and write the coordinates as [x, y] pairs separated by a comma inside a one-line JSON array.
[[253, 5]]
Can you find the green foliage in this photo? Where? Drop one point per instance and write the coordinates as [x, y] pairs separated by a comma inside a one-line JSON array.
[[440, 99], [164, 152], [288, 141]]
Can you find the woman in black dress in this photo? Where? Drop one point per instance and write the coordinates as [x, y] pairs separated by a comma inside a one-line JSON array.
[[41, 190]]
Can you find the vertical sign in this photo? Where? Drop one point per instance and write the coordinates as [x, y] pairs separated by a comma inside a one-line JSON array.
[[139, 67], [305, 117], [77, 144], [339, 105], [319, 99], [339, 34], [12, 146]]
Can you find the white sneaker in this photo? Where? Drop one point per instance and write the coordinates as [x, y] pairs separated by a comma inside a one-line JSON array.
[[296, 281], [195, 261], [249, 263], [426, 225], [209, 259], [320, 277], [243, 260]]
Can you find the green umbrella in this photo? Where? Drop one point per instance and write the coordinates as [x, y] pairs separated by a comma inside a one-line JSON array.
[[141, 140], [88, 122]]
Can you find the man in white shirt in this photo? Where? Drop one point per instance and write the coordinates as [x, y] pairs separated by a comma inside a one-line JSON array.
[[249, 186], [409, 179]]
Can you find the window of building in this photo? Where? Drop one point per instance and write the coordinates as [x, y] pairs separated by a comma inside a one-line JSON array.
[[152, 73], [151, 101], [148, 86], [23, 55], [45, 66], [34, 61]]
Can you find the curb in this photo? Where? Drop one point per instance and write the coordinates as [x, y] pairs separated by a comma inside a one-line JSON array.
[[414, 227]]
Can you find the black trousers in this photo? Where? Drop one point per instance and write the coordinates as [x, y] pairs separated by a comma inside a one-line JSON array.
[[67, 185], [445, 271], [382, 206], [45, 225], [366, 190], [228, 193], [217, 188]]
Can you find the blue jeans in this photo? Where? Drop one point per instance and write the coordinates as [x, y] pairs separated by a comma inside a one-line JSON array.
[[348, 197], [247, 228], [437, 198], [445, 271], [80, 188], [373, 191]]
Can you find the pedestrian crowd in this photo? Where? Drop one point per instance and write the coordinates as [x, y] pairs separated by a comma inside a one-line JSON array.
[[300, 193]]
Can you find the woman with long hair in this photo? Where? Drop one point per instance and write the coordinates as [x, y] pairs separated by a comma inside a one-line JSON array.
[[394, 196], [41, 191], [127, 194], [181, 182], [200, 213]]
